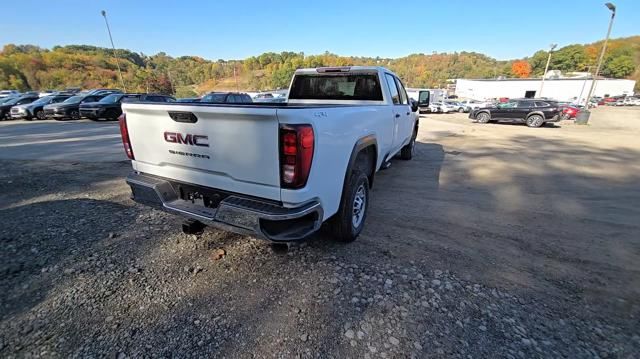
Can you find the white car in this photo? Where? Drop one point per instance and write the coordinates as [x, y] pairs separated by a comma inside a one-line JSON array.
[[474, 105], [443, 107], [9, 93], [275, 171]]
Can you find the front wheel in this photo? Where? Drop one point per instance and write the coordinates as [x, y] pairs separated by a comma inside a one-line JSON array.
[[75, 115], [40, 115], [347, 224], [461, 110], [535, 121], [483, 117]]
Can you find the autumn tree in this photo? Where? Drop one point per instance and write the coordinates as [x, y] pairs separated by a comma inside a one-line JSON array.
[[521, 69]]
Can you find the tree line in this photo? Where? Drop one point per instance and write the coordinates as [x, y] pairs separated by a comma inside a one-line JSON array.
[[29, 67]]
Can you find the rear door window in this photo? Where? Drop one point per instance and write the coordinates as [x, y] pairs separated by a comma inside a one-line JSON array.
[[404, 99], [542, 104], [525, 104], [393, 89]]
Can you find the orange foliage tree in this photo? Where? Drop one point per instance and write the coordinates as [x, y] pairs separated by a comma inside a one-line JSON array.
[[521, 69]]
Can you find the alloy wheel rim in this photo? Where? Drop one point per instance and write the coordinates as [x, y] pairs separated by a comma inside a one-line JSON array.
[[359, 205]]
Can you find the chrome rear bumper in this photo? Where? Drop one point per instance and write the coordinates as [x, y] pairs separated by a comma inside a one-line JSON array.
[[235, 213]]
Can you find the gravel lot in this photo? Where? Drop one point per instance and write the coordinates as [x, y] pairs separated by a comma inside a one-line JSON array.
[[495, 241]]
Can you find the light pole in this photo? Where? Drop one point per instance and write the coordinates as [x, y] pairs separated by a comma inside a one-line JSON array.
[[583, 85], [611, 7], [104, 14], [546, 68]]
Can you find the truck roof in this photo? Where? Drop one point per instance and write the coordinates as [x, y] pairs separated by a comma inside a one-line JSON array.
[[342, 69]]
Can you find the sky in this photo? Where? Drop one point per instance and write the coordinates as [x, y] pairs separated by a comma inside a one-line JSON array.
[[228, 29]]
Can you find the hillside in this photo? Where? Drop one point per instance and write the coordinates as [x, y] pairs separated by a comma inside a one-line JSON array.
[[26, 67]]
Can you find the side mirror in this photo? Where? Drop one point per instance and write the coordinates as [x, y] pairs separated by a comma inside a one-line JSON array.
[[414, 106]]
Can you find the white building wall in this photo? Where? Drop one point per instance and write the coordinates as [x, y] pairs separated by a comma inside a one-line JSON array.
[[559, 89]]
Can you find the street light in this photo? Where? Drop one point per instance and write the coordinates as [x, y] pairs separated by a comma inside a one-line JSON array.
[[611, 7], [115, 55], [546, 68]]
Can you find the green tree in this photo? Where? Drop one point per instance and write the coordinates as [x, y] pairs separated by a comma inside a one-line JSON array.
[[619, 67]]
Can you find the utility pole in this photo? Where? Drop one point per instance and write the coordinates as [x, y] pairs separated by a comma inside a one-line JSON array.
[[611, 7], [235, 77], [104, 14], [546, 68], [173, 88]]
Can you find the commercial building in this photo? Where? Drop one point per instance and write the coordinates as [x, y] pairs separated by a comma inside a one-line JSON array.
[[563, 89]]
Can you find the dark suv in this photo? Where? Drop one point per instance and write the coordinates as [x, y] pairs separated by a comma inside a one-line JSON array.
[[110, 106], [69, 108], [226, 97], [532, 112]]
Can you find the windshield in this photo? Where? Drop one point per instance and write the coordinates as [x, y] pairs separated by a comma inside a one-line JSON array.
[[13, 101], [214, 97], [113, 98], [74, 99], [42, 100]]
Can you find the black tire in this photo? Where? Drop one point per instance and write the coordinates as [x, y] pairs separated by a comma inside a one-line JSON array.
[[535, 121], [483, 117], [344, 226], [75, 115], [40, 115], [406, 153]]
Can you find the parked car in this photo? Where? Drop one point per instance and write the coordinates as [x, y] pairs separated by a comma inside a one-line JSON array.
[[569, 112], [474, 105], [109, 107], [458, 106], [35, 109], [9, 93], [69, 108], [226, 97], [274, 171], [532, 112], [442, 107], [5, 107]]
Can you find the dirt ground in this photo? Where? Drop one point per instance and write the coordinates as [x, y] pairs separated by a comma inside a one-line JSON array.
[[497, 240]]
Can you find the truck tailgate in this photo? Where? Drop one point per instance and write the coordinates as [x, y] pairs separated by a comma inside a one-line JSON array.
[[229, 148]]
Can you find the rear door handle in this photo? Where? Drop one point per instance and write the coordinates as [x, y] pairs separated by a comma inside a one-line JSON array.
[[397, 115], [408, 113]]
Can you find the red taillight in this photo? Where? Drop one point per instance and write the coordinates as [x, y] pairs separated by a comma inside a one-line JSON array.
[[124, 132], [296, 154]]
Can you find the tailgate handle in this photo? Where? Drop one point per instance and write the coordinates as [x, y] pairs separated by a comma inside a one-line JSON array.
[[182, 116]]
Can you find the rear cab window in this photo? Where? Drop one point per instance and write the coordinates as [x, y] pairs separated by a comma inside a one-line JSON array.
[[362, 86]]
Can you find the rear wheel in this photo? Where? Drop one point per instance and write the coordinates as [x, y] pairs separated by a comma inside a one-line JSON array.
[[461, 110], [347, 224], [535, 121], [483, 117], [75, 115], [40, 115], [406, 153]]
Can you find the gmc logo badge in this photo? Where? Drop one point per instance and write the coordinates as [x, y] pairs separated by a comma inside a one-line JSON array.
[[187, 139]]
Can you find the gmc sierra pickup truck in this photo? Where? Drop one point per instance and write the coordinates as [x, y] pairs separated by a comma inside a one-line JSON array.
[[276, 171]]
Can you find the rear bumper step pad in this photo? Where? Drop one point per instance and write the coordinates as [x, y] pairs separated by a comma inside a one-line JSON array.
[[235, 213]]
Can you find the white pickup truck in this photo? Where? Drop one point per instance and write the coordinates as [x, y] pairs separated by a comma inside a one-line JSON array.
[[277, 171]]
